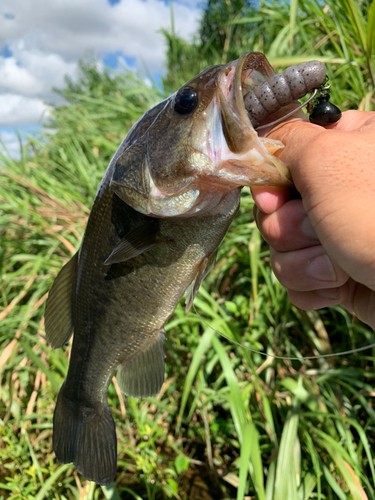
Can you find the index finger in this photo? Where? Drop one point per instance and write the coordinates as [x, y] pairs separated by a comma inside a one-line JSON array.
[[269, 199], [327, 158], [302, 131]]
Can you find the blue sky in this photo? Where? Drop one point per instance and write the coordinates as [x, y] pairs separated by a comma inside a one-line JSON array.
[[42, 40]]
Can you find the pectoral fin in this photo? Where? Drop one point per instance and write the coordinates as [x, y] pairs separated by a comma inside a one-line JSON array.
[[143, 376], [58, 317], [134, 243], [204, 268]]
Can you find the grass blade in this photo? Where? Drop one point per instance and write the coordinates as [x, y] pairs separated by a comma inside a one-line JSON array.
[[51, 480]]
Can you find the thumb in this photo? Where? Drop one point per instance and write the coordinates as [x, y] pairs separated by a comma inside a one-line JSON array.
[[310, 150], [304, 144], [333, 169]]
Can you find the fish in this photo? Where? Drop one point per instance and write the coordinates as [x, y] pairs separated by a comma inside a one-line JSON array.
[[162, 208]]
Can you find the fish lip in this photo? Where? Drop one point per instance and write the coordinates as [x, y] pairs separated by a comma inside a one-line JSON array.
[[234, 117], [242, 71], [237, 94], [230, 90], [239, 68], [236, 125]]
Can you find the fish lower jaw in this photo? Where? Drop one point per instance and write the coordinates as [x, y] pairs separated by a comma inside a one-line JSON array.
[[202, 195], [208, 189], [256, 166], [240, 171]]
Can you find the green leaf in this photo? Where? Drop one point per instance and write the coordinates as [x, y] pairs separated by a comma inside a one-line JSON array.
[[181, 463], [370, 32], [292, 21], [196, 361], [288, 464], [47, 486]]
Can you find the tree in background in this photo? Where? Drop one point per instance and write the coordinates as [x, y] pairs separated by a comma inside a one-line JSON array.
[[217, 32], [337, 32], [219, 40]]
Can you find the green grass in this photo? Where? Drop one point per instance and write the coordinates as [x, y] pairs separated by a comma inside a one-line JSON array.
[[228, 423]]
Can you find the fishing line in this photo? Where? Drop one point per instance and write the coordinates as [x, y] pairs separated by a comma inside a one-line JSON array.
[[271, 124], [288, 358]]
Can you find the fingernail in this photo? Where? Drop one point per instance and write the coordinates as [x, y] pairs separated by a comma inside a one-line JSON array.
[[307, 229], [320, 268]]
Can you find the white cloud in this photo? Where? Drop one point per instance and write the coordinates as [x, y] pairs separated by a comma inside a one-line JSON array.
[[17, 110], [16, 78], [46, 38], [69, 27], [32, 73]]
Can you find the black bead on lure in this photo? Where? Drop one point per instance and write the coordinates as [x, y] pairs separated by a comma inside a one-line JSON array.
[[323, 112], [285, 88]]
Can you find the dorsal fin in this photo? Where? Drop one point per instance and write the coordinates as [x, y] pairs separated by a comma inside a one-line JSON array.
[[134, 243], [58, 317], [143, 376]]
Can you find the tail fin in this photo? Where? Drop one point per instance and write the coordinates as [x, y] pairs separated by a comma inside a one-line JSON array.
[[85, 436]]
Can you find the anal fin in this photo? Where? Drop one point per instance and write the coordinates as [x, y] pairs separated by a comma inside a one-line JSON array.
[[58, 317], [134, 243], [204, 268], [143, 376]]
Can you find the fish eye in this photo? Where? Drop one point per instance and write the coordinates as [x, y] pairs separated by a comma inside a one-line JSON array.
[[185, 101]]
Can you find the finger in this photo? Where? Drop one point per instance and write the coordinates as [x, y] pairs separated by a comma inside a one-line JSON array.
[[303, 132], [307, 269], [317, 157], [288, 229], [353, 120], [270, 199], [356, 298], [333, 171], [361, 302], [316, 299]]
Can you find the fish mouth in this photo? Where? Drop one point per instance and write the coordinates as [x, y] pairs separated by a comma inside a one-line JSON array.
[[244, 145], [236, 81]]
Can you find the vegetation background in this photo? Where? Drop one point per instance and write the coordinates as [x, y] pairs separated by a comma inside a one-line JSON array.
[[228, 424]]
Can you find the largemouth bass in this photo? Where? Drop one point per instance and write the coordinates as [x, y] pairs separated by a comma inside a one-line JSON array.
[[162, 208]]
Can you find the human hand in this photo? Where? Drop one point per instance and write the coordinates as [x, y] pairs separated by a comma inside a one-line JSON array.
[[323, 244]]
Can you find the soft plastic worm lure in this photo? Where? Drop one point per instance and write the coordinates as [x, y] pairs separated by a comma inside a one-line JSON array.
[[284, 88]]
